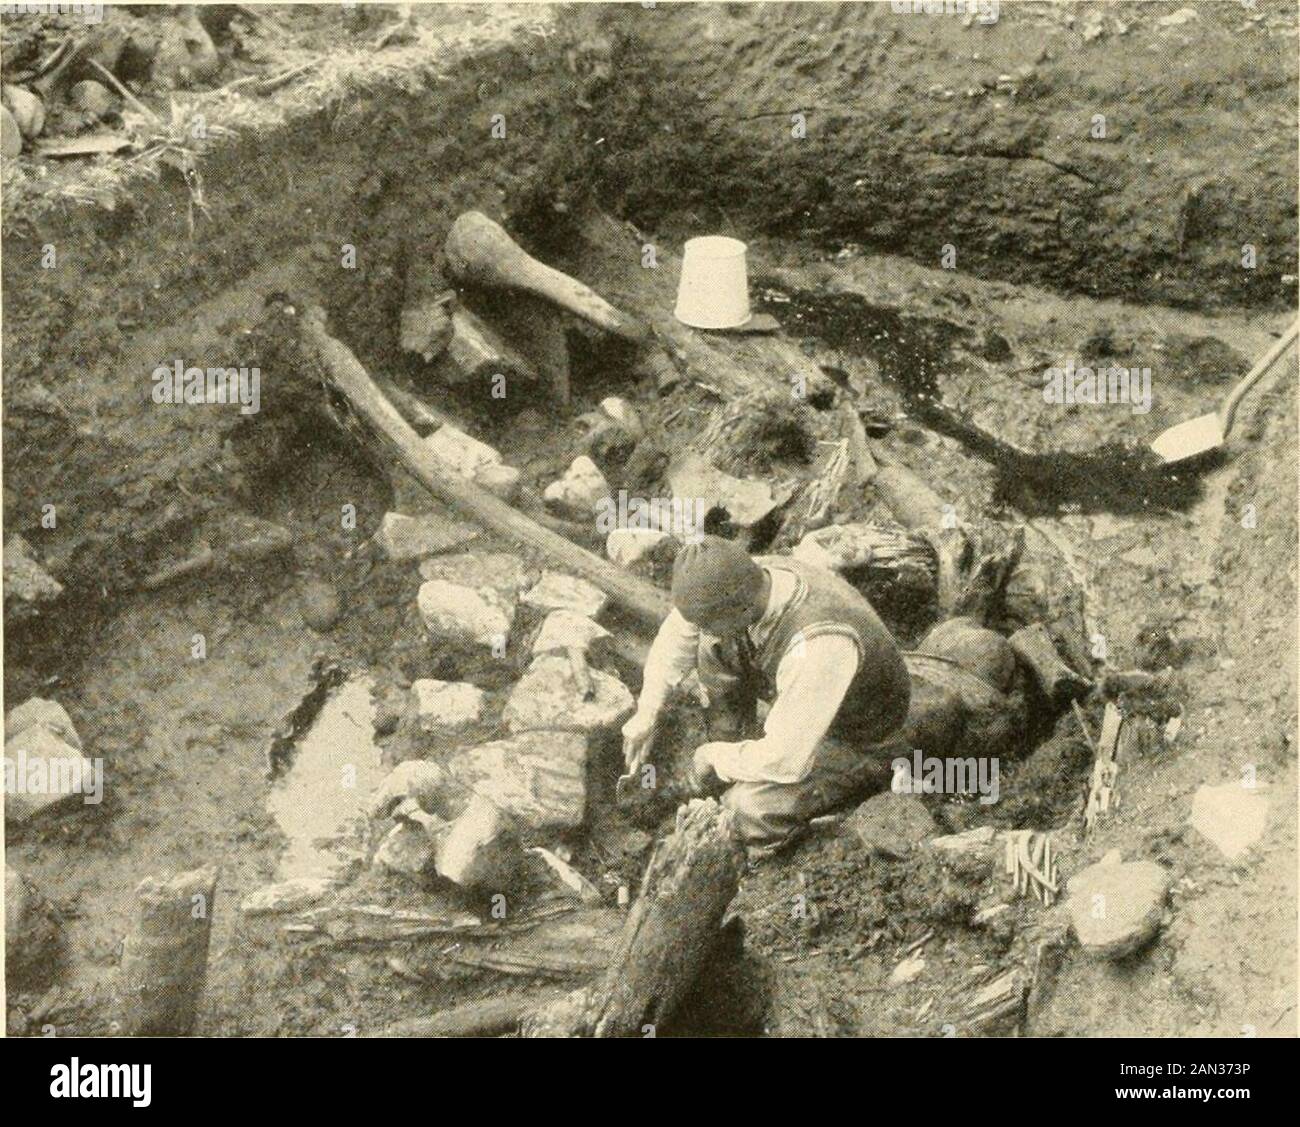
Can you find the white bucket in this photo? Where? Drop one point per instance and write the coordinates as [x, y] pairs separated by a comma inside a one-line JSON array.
[[714, 289]]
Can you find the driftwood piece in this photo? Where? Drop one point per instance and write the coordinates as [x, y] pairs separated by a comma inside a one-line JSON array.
[[646, 603], [1059, 683], [480, 252], [570, 946], [164, 959], [670, 933]]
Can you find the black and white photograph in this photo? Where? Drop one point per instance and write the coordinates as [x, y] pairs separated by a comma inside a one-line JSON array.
[[652, 520]]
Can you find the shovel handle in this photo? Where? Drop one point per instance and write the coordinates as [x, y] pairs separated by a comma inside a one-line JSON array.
[[1264, 363]]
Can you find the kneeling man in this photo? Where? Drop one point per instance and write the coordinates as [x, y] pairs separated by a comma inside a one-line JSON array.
[[793, 634]]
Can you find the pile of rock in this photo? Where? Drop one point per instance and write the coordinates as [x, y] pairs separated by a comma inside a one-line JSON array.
[[466, 814]]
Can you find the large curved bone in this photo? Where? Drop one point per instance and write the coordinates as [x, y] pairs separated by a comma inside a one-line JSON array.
[[480, 252]]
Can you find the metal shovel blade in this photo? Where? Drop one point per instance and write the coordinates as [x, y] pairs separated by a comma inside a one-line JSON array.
[[1186, 440]]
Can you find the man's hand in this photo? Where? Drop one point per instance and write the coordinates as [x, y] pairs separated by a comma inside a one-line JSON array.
[[704, 779], [638, 735]]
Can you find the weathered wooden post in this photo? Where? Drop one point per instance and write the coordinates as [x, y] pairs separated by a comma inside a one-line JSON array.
[[165, 958]]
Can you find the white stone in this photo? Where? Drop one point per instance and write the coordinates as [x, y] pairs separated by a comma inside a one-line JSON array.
[[628, 546], [909, 970], [579, 491], [287, 896], [1117, 908], [1231, 816], [498, 570], [480, 850], [447, 705], [557, 591], [27, 584], [563, 629], [465, 614], [421, 779], [412, 538], [623, 413], [474, 460], [48, 775], [459, 451], [48, 714], [538, 778], [694, 480], [547, 696]]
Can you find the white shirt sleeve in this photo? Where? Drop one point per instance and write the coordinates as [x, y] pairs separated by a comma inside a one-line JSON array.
[[810, 685], [672, 657]]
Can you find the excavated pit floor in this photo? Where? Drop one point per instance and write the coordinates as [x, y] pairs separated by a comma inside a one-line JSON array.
[[186, 741]]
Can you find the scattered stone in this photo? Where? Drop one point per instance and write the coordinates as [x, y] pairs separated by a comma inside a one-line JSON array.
[[1231, 816], [623, 413], [538, 778], [579, 491], [630, 546], [557, 591], [504, 573], [459, 451], [548, 696], [27, 585], [48, 714], [746, 501], [474, 460], [447, 705], [412, 538], [892, 824], [407, 849], [1116, 908], [480, 851], [287, 896], [978, 650], [481, 616], [92, 97], [48, 775], [425, 325], [11, 136], [563, 629], [909, 970], [420, 779], [27, 109], [319, 604]]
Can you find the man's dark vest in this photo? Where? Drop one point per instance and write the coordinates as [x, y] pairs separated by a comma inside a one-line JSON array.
[[823, 603]]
